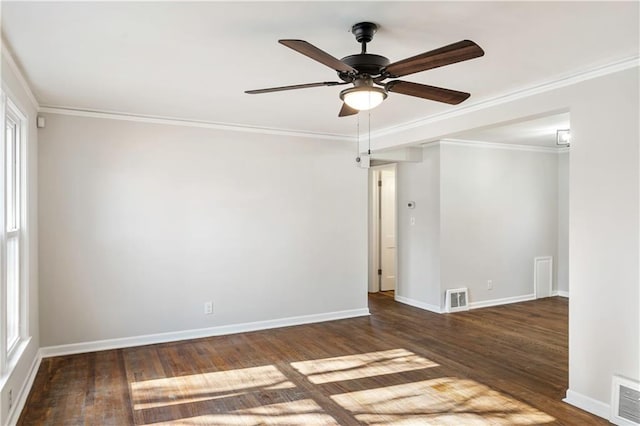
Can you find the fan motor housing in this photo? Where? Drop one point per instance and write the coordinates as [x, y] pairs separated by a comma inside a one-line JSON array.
[[365, 63]]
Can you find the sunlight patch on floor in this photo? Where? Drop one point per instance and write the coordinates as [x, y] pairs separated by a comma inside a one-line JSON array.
[[207, 386], [351, 367], [295, 413], [439, 401], [442, 401]]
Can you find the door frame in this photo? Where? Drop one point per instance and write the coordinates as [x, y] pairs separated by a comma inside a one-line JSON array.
[[374, 225]]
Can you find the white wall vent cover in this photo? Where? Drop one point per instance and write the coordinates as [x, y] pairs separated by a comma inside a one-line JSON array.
[[625, 402], [457, 299]]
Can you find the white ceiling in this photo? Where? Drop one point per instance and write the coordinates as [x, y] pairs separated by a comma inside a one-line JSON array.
[[193, 61]]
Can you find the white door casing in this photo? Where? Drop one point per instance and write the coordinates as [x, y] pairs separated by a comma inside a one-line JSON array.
[[388, 229]]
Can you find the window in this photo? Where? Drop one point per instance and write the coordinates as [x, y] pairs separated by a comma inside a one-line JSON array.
[[12, 230]]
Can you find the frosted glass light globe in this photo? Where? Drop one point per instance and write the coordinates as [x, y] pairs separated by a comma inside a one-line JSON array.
[[363, 98]]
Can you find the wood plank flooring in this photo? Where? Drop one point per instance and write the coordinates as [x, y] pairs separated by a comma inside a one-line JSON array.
[[505, 365]]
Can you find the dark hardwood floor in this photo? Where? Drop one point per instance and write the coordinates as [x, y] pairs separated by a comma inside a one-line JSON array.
[[505, 365]]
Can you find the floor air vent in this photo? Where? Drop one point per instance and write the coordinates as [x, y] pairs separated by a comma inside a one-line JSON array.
[[625, 404], [457, 300]]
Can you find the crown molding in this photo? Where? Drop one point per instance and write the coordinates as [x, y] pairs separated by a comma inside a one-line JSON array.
[[6, 53], [526, 92], [494, 145], [578, 77], [142, 118]]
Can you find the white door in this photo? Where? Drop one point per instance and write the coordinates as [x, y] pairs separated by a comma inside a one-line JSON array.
[[388, 229]]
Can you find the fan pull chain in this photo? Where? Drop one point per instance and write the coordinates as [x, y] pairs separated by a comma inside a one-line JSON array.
[[369, 143], [358, 136]]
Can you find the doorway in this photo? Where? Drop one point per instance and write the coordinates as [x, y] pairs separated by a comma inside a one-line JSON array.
[[382, 228]]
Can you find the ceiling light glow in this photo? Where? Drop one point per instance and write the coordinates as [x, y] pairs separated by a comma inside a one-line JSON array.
[[363, 98]]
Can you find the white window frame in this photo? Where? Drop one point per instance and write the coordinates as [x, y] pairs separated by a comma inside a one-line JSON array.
[[9, 353]]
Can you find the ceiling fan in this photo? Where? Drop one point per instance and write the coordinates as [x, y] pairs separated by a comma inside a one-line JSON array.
[[367, 72]]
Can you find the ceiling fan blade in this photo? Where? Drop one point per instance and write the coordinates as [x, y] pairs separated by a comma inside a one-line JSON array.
[[347, 110], [293, 87], [433, 93], [316, 54], [456, 52]]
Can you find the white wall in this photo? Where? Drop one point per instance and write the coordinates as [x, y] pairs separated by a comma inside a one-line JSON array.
[[482, 213], [16, 379], [418, 268], [498, 212], [142, 223], [604, 325], [604, 329], [561, 262]]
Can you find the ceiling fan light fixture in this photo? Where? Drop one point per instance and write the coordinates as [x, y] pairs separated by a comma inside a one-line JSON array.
[[364, 97]]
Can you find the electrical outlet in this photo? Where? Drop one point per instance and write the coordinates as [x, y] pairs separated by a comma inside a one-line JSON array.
[[10, 398], [208, 308], [489, 285]]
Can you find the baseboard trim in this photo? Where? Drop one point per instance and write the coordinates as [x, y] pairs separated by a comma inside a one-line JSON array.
[[503, 301], [150, 339], [561, 293], [418, 304], [474, 305], [588, 404], [21, 400]]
